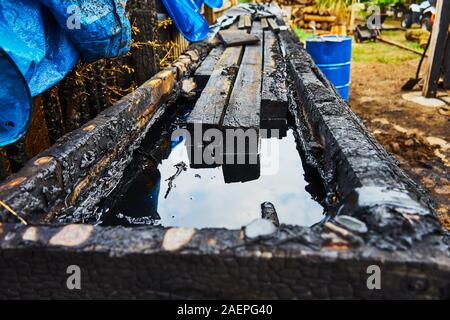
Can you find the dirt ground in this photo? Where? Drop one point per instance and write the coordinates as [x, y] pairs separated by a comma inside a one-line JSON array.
[[418, 136]]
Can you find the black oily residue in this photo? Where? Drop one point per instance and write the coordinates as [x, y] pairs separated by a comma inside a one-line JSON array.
[[279, 73], [180, 167], [146, 194], [230, 71], [125, 203]]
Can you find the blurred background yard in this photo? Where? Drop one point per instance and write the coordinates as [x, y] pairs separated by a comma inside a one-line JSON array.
[[418, 136]]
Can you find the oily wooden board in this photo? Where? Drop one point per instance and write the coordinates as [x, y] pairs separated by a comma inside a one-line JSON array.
[[273, 25], [264, 23], [237, 38], [245, 102], [273, 94], [205, 70], [212, 102], [245, 22]]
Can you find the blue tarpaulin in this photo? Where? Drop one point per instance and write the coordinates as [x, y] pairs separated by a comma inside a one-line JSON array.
[[188, 19], [40, 42]]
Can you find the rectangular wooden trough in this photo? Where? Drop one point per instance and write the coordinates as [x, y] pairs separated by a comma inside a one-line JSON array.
[[242, 86]]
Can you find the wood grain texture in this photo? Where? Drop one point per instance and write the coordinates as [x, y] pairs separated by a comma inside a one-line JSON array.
[[237, 38], [206, 69], [273, 94], [210, 106], [245, 102]]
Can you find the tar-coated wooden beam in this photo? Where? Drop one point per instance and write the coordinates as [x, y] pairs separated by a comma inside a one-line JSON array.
[[245, 102], [273, 94], [237, 38], [210, 106], [204, 72]]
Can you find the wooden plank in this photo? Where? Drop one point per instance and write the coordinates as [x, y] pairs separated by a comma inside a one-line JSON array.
[[206, 69], [209, 15], [264, 24], [310, 17], [241, 23], [274, 103], [233, 173], [237, 38], [248, 21], [245, 102], [211, 105], [233, 26], [437, 45], [145, 59], [5, 166], [273, 25], [53, 114]]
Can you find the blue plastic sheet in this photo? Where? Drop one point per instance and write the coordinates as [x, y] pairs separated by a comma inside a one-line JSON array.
[[188, 19], [15, 93], [209, 3], [199, 3], [103, 30], [214, 3], [43, 40]]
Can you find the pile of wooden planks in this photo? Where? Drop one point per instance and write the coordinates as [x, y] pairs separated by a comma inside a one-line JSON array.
[[311, 17], [243, 88], [289, 2]]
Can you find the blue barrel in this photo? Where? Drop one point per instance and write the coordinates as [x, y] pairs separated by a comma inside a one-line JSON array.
[[333, 55]]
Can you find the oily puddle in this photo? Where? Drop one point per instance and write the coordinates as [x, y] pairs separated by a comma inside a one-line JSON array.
[[200, 198]]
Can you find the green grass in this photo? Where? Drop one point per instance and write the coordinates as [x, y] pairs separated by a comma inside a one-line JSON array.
[[392, 22], [302, 34], [385, 53], [380, 52], [399, 37]]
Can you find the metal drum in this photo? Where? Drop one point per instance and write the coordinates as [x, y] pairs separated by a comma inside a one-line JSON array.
[[333, 55]]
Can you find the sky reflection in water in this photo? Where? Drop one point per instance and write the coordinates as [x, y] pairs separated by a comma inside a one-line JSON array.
[[206, 201]]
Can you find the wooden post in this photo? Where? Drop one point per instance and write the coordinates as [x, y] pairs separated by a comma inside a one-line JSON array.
[[145, 59], [5, 166], [437, 46], [209, 15], [447, 65], [53, 114]]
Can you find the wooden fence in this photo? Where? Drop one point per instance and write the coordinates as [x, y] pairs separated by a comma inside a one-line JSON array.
[[90, 88]]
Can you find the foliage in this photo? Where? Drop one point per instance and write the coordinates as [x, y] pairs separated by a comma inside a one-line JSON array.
[[385, 3], [334, 5], [340, 8], [302, 34]]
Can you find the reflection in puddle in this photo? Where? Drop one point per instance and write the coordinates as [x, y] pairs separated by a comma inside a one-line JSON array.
[[201, 198]]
